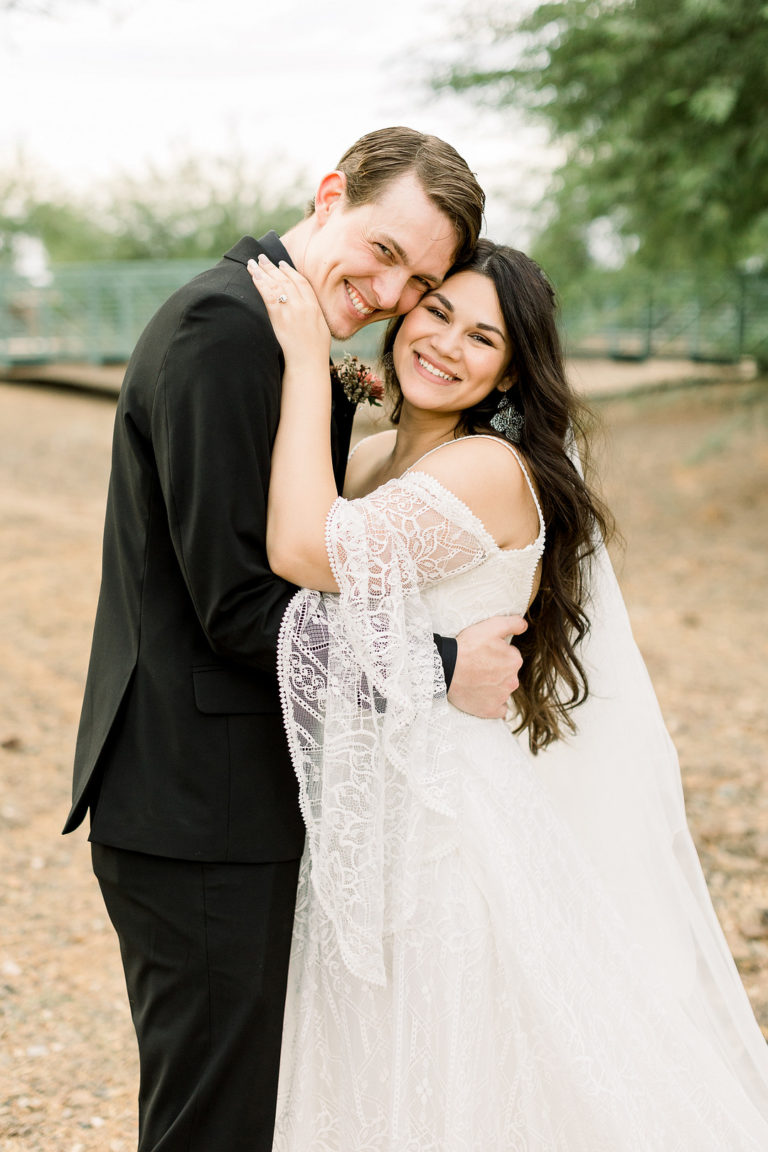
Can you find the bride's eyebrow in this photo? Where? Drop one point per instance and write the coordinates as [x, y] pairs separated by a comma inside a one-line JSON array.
[[490, 328], [449, 308]]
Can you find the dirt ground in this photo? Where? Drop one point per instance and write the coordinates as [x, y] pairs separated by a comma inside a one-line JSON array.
[[685, 473]]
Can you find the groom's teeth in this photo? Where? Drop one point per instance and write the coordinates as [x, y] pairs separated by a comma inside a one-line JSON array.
[[435, 371], [357, 302]]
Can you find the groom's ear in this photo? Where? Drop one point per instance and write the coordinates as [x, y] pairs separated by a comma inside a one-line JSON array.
[[331, 194]]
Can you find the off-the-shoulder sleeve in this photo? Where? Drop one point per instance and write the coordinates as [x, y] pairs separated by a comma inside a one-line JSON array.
[[412, 531], [365, 708]]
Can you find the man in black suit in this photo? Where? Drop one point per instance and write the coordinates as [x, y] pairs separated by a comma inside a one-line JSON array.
[[180, 756]]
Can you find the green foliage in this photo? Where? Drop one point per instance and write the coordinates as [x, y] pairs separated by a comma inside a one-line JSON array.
[[661, 107], [197, 208]]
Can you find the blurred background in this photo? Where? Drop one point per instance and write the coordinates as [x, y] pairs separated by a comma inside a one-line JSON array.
[[621, 142]]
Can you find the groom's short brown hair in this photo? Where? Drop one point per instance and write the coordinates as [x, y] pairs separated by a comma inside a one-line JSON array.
[[381, 156]]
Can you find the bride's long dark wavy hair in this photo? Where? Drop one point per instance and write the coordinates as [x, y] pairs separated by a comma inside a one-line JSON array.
[[552, 679]]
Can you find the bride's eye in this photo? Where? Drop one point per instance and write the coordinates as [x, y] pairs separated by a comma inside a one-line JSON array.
[[435, 311]]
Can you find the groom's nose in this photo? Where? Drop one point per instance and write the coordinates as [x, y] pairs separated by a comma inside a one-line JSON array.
[[390, 286]]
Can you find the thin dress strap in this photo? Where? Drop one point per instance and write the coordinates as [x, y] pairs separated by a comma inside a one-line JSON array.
[[504, 444]]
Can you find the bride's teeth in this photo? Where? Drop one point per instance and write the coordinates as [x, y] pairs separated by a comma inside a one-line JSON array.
[[435, 371]]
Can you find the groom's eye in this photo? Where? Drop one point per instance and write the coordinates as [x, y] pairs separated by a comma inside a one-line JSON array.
[[384, 250]]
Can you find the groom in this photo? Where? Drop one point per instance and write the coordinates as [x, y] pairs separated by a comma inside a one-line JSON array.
[[180, 756]]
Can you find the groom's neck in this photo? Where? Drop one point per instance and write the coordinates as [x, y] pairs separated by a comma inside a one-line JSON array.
[[295, 242]]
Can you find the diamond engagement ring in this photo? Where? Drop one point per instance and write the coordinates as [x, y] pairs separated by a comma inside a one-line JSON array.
[[282, 299]]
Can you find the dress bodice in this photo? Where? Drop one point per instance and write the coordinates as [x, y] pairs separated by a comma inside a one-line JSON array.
[[499, 586]]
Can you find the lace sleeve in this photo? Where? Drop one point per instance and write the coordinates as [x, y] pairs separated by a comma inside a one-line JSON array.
[[411, 530], [364, 705]]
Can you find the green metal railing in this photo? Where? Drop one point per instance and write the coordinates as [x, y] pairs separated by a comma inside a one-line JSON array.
[[719, 320], [84, 312], [94, 313]]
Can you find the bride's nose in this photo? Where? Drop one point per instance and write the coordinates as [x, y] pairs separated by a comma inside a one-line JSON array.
[[446, 342]]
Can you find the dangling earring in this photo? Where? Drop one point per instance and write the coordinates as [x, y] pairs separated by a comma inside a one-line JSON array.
[[387, 362], [507, 420]]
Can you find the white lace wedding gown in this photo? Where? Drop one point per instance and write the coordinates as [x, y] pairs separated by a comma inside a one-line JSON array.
[[462, 979]]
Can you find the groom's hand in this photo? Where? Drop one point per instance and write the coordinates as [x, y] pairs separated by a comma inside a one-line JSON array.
[[487, 666]]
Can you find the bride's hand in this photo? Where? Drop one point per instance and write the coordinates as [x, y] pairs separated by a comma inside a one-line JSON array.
[[294, 312]]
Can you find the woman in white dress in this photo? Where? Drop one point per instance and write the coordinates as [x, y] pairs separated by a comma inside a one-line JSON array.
[[503, 939]]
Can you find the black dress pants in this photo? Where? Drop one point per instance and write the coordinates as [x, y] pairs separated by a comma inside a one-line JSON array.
[[205, 949]]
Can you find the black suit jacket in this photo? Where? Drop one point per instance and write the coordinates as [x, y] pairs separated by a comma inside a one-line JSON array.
[[180, 750]]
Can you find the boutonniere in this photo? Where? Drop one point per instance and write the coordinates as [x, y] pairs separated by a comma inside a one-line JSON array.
[[357, 380]]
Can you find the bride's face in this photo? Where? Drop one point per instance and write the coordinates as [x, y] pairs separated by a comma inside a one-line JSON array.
[[452, 350]]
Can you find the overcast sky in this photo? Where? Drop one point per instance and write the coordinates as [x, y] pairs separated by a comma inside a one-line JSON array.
[[111, 86]]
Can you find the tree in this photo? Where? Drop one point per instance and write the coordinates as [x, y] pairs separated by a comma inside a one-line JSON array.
[[661, 109], [197, 207]]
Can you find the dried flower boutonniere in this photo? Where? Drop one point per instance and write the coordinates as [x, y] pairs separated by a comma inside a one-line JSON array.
[[357, 380]]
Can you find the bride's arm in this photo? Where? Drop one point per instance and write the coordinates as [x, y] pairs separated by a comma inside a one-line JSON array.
[[303, 490], [302, 485]]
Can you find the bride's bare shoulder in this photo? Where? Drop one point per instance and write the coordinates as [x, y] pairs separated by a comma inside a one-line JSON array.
[[367, 460], [487, 476]]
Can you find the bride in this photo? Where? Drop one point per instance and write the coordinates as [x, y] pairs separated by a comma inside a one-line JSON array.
[[503, 940]]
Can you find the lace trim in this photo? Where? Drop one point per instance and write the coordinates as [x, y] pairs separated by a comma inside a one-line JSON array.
[[504, 444], [283, 655], [332, 559]]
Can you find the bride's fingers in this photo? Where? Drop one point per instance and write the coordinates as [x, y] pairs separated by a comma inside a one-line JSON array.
[[261, 284], [267, 279], [286, 288], [284, 275], [265, 271], [283, 285], [257, 275], [294, 277], [283, 268], [270, 270], [275, 288]]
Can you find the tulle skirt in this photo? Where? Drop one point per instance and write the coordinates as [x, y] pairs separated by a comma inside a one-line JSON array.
[[517, 1015]]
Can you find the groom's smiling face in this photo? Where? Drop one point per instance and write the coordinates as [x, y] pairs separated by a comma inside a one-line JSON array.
[[375, 260]]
